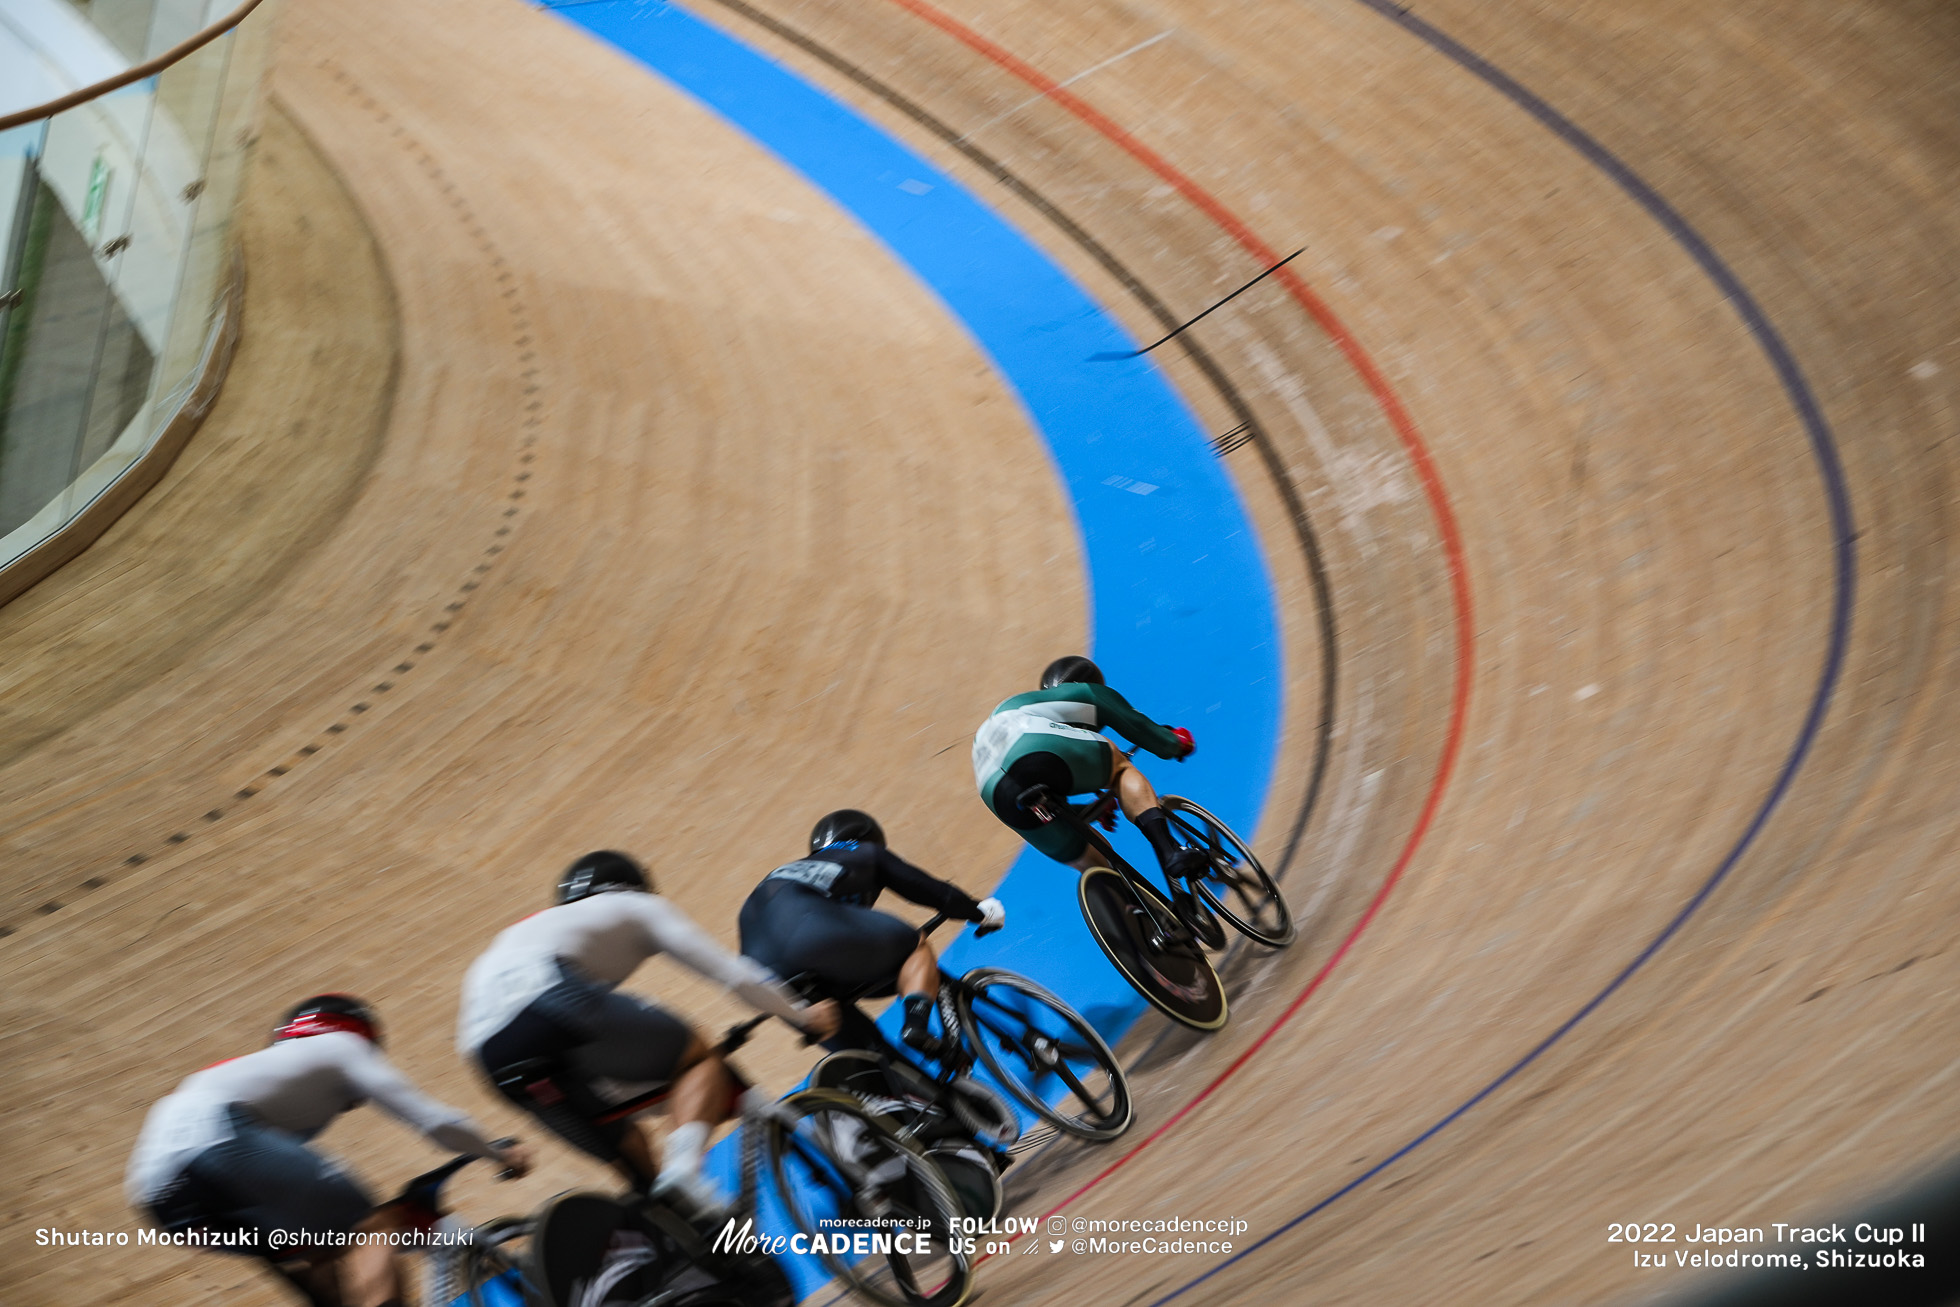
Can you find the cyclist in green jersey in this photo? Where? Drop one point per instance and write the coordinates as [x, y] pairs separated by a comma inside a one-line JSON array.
[[1052, 737]]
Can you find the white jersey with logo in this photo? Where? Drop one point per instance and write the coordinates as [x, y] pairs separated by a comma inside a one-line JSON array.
[[298, 1086], [1004, 730], [1075, 712], [604, 938]]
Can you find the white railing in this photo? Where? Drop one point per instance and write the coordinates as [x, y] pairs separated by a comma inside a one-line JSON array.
[[118, 281]]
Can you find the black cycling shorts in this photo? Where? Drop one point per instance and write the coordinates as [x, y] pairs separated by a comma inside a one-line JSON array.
[[850, 951], [593, 1035], [259, 1180], [1061, 840]]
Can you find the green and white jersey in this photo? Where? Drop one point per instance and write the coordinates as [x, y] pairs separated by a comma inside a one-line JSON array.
[[1062, 720]]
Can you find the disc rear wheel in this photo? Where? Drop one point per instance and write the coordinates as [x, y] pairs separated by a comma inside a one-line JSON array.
[[1128, 919]]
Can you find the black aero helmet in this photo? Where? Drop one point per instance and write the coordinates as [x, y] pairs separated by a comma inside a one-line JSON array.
[[323, 1014], [846, 824], [601, 873], [1072, 670]]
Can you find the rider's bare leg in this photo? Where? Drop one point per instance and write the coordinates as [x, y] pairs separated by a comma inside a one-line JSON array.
[[703, 1089], [640, 1162], [317, 1281], [700, 1102], [918, 987], [920, 973], [1133, 788], [1133, 791], [700, 1096], [370, 1273]]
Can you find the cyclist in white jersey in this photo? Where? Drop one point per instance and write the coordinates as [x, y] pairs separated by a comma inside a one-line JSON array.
[[222, 1162], [544, 992]]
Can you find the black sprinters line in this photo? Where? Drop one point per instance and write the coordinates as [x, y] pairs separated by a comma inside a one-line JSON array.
[[1836, 492], [1137, 353], [516, 307], [1199, 357]]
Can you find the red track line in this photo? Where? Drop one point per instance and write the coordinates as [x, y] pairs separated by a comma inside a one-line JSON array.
[[1398, 417]]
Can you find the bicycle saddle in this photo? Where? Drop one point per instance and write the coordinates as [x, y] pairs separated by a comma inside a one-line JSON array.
[[1042, 797], [533, 1078]]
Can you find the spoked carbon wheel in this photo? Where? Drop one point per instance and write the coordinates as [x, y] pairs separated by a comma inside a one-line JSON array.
[[986, 1116], [582, 1237], [930, 1114], [1177, 979], [493, 1254], [1235, 886], [832, 1160], [895, 1088], [1039, 1048], [465, 1273], [886, 1086]]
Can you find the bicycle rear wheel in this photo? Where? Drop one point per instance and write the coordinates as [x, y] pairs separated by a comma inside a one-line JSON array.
[[932, 1115], [832, 1160], [581, 1238], [493, 1263], [1235, 886], [1178, 980], [1039, 1047]]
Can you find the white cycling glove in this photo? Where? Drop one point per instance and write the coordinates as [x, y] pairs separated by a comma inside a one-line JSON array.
[[992, 915]]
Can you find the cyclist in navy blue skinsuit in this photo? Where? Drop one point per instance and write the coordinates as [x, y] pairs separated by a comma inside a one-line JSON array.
[[814, 917]]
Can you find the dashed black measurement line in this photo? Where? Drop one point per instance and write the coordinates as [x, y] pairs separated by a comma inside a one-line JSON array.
[[533, 409]]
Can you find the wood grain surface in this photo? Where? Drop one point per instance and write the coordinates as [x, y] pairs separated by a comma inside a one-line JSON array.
[[656, 506]]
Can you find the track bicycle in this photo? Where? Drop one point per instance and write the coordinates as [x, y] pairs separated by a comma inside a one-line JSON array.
[[466, 1266], [1158, 941], [830, 1161], [580, 1248], [470, 1267], [1040, 1050]]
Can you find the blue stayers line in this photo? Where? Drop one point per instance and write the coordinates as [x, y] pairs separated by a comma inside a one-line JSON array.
[[1182, 607], [1836, 492]]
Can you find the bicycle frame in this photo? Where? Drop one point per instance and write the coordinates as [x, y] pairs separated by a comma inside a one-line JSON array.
[[1103, 810], [536, 1081], [953, 1062]]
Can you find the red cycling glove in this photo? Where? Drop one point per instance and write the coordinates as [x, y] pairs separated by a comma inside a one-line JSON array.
[[1184, 738]]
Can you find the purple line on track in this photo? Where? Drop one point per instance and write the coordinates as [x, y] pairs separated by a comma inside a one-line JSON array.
[[1837, 493]]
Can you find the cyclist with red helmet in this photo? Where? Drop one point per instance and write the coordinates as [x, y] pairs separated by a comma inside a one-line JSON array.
[[546, 991], [813, 917], [223, 1160], [1053, 737]]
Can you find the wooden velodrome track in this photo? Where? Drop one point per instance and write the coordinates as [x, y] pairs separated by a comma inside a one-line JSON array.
[[587, 479]]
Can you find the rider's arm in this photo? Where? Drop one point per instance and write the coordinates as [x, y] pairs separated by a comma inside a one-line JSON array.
[[377, 1079], [1132, 725], [909, 882], [675, 932]]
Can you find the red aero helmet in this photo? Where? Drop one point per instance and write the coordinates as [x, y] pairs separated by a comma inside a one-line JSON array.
[[326, 1014]]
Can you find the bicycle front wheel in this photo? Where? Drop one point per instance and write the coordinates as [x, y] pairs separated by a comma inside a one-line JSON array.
[[1039, 1048], [1234, 885], [850, 1182], [1178, 979]]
